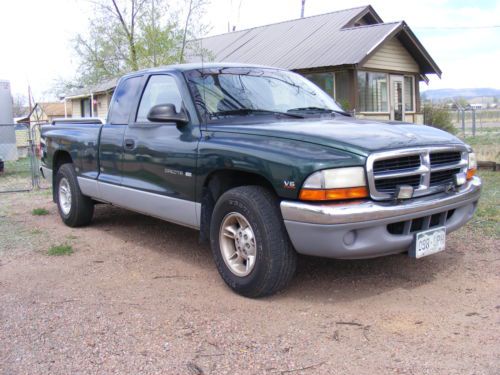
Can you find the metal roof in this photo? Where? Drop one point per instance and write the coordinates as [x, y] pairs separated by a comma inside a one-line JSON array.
[[95, 89], [311, 42]]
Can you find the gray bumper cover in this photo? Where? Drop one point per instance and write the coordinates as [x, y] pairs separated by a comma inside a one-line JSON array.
[[359, 229]]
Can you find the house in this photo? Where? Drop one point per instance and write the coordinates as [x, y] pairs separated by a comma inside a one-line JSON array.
[[370, 67], [477, 106], [42, 113], [91, 101], [45, 112]]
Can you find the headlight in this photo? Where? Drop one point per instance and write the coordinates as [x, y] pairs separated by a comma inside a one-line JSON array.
[[335, 184], [472, 167]]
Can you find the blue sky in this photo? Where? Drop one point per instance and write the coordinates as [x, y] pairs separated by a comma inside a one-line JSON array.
[[35, 35]]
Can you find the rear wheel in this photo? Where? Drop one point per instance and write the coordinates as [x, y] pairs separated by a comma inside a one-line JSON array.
[[249, 242], [75, 208]]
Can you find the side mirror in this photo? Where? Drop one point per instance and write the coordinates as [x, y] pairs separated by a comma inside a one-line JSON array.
[[167, 113]]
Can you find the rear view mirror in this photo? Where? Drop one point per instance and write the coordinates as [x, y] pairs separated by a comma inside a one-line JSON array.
[[167, 113]]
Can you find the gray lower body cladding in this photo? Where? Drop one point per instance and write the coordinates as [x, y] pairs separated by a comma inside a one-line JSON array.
[[378, 236], [163, 207]]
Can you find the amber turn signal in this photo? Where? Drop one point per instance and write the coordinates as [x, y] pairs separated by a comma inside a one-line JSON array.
[[471, 173], [333, 194]]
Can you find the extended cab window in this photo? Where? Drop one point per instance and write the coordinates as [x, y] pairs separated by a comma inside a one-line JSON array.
[[123, 100], [161, 89]]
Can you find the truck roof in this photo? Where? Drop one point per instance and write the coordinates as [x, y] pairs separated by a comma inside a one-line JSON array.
[[195, 66]]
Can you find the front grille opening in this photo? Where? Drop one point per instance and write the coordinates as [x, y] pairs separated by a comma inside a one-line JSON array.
[[401, 163], [396, 228], [443, 177], [417, 224], [435, 219], [388, 185], [440, 158]]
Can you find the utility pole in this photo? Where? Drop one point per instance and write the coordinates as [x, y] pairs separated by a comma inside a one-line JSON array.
[[30, 106], [302, 10]]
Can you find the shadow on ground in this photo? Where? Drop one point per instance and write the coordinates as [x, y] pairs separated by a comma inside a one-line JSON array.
[[317, 278]]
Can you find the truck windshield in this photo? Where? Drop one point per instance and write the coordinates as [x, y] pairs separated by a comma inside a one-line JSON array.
[[222, 92]]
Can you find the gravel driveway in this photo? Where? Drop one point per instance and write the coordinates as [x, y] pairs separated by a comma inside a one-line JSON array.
[[141, 296]]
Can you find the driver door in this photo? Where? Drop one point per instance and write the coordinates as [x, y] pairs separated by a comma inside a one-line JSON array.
[[160, 158]]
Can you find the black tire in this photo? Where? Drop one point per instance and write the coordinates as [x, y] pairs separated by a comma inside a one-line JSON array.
[[275, 259], [82, 207]]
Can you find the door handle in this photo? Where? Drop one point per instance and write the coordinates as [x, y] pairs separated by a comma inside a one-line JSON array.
[[129, 144]]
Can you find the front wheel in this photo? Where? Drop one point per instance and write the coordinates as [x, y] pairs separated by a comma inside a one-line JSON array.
[[249, 242], [75, 209]]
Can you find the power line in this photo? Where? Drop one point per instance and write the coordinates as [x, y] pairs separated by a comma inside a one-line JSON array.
[[457, 27]]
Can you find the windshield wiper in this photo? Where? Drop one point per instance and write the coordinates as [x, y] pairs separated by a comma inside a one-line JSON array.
[[249, 111], [318, 109]]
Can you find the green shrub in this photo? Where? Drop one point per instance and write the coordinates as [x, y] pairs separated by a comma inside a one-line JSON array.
[[344, 104], [438, 117]]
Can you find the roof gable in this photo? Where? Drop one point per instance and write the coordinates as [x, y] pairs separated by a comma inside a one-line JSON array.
[[392, 55], [367, 16]]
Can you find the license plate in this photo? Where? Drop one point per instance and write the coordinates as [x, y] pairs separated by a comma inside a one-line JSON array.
[[429, 242]]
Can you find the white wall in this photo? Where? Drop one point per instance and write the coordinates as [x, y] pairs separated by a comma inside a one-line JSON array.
[[8, 149]]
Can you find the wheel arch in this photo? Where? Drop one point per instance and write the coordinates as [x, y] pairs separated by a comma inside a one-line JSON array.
[[216, 184], [60, 157]]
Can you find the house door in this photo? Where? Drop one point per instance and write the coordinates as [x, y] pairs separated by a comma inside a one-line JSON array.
[[397, 98]]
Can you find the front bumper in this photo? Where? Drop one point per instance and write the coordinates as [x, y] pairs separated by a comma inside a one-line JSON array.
[[360, 229]]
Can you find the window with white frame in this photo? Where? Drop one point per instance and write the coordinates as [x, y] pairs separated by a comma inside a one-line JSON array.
[[372, 92], [409, 93]]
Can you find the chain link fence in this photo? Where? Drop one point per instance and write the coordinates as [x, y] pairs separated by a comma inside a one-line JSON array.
[[476, 121], [20, 158], [481, 129]]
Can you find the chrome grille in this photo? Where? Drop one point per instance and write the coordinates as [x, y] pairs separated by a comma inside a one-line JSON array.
[[443, 177], [428, 170], [405, 162], [440, 158], [388, 184]]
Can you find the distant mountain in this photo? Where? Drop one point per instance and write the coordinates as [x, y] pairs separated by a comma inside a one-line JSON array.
[[454, 93]]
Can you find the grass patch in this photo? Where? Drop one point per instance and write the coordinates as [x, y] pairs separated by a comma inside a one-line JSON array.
[[487, 217], [39, 212], [485, 145], [18, 168], [60, 250], [483, 138]]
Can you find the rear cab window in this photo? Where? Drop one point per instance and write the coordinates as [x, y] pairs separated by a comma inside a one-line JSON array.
[[124, 100]]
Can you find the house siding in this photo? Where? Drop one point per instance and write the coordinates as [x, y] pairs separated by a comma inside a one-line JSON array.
[[76, 108], [102, 106], [392, 55]]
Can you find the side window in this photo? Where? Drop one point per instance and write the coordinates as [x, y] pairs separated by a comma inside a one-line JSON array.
[[161, 89], [123, 100]]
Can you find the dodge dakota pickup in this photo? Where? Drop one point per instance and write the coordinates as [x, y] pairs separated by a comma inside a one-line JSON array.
[[265, 165]]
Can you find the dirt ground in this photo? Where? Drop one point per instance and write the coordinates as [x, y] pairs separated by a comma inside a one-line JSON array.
[[141, 296]]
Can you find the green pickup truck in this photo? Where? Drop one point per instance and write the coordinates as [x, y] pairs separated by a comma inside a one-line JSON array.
[[265, 165]]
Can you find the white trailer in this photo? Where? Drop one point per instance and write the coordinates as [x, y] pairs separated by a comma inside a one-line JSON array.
[[8, 149]]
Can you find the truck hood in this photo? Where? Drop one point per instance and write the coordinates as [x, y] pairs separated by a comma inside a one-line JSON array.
[[358, 136]]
